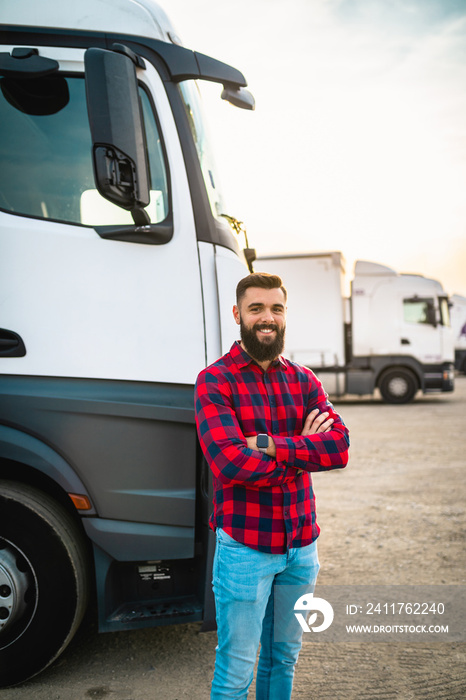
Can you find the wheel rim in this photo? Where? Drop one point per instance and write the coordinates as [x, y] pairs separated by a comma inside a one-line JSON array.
[[18, 593], [398, 386]]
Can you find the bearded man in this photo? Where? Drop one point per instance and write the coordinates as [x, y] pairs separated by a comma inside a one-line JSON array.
[[264, 424]]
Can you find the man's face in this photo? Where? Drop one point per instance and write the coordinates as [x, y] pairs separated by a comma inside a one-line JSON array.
[[262, 319]]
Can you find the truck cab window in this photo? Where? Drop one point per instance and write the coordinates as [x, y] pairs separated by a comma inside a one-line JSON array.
[[45, 154], [419, 311], [192, 103]]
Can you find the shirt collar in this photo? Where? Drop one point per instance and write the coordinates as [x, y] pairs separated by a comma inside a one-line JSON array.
[[242, 358]]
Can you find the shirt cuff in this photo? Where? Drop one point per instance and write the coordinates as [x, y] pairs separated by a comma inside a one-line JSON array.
[[285, 450]]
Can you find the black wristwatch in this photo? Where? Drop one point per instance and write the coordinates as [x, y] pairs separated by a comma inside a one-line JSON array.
[[262, 442]]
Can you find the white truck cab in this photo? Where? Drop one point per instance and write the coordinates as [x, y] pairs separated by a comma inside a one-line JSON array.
[[118, 271], [404, 319]]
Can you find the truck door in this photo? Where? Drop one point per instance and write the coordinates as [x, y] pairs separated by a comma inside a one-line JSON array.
[[420, 331]]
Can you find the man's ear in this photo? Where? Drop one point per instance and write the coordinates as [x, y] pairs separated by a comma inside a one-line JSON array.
[[236, 314]]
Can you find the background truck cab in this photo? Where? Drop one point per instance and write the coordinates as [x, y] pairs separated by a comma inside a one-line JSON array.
[[118, 270]]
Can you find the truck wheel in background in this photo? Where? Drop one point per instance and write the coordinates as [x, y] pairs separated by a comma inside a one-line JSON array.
[[398, 385], [44, 580]]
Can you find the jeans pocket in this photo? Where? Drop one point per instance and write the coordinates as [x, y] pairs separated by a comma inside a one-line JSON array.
[[236, 574], [226, 539]]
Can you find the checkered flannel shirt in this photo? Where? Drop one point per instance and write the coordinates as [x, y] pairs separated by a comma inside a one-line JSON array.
[[267, 504]]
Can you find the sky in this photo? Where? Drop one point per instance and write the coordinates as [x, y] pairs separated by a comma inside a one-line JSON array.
[[358, 139]]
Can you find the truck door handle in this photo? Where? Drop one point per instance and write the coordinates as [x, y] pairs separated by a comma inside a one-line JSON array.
[[11, 344], [405, 341]]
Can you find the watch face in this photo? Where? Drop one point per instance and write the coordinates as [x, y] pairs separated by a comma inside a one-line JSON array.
[[262, 440]]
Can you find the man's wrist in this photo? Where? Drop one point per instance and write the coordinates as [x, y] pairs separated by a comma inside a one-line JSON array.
[[262, 442]]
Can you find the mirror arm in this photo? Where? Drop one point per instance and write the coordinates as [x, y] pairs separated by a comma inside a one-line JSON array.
[[140, 216], [150, 234]]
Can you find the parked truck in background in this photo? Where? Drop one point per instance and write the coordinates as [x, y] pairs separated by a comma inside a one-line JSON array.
[[458, 324], [393, 332], [118, 271]]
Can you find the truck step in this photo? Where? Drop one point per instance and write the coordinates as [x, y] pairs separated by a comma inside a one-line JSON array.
[[156, 612]]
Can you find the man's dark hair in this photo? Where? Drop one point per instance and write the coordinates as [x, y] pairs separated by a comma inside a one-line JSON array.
[[259, 279]]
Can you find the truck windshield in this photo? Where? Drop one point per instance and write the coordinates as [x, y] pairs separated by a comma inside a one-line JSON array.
[[46, 154], [191, 99], [444, 311]]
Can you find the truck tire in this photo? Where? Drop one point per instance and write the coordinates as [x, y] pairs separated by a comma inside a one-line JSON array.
[[44, 581], [398, 385]]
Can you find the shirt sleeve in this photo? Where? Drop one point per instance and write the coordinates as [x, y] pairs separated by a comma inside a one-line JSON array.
[[223, 442], [321, 451]]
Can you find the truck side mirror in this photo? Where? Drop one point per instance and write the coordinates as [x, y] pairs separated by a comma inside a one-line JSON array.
[[118, 139], [239, 97]]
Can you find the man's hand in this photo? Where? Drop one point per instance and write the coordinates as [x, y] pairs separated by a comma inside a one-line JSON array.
[[317, 423]]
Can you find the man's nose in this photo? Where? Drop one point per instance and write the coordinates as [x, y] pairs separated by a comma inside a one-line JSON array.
[[267, 316]]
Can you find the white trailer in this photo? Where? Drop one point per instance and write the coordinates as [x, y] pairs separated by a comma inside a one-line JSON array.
[[458, 324], [393, 332], [118, 274]]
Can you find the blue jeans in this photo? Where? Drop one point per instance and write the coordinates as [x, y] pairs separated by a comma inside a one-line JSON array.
[[243, 580]]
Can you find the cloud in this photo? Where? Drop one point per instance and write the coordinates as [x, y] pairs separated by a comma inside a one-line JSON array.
[[405, 17]]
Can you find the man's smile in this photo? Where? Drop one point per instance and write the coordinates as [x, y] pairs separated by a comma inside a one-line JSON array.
[[265, 330]]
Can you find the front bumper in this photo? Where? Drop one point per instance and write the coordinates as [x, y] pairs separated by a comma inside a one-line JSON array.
[[440, 378]]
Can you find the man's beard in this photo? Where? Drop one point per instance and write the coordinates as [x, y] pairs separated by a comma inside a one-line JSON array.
[[262, 351]]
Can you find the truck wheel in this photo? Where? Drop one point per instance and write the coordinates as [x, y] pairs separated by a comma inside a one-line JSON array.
[[44, 581], [398, 385]]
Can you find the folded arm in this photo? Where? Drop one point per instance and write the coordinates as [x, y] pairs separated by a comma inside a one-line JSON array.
[[323, 443], [225, 447]]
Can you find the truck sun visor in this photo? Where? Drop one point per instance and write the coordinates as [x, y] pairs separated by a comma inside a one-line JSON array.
[[37, 96]]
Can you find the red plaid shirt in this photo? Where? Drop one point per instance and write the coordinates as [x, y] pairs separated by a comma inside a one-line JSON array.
[[265, 503]]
